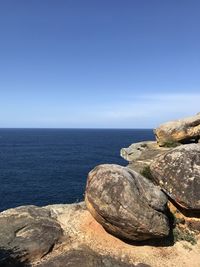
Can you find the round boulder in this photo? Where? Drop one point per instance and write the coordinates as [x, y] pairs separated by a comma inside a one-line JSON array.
[[126, 204]]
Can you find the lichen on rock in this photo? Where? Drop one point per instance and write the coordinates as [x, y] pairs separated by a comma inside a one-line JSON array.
[[127, 204]]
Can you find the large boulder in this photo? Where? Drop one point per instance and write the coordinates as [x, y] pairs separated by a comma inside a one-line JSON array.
[[178, 173], [85, 242], [26, 233], [141, 154], [126, 203], [179, 130], [32, 236]]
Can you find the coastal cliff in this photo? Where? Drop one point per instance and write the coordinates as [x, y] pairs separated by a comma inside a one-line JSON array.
[[145, 214]]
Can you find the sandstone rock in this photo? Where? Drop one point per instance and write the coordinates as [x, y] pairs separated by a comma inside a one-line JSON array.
[[178, 173], [86, 243], [141, 154], [76, 247], [184, 219], [178, 130], [27, 232], [126, 203], [85, 257]]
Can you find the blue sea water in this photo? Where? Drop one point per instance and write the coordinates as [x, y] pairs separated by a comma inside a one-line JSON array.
[[47, 166]]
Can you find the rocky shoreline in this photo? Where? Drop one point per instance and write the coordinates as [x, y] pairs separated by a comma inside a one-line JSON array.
[[145, 214]]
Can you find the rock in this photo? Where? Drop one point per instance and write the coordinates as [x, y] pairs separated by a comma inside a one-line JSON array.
[[178, 173], [85, 257], [28, 232], [85, 242], [184, 219], [126, 203], [76, 245], [67, 215], [141, 154], [178, 130]]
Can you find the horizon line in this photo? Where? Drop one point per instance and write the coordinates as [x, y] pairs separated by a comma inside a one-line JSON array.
[[77, 128]]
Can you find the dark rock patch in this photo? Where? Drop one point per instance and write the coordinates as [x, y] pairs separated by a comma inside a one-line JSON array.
[[28, 232], [85, 257]]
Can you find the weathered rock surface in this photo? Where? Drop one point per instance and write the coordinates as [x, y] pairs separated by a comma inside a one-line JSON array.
[[179, 130], [126, 203], [178, 173], [55, 235], [29, 232], [186, 220], [85, 257], [141, 154], [85, 242]]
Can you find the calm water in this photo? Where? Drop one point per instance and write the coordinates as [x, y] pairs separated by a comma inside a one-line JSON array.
[[46, 166]]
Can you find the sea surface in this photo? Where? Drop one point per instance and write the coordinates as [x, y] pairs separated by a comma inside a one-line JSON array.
[[47, 166]]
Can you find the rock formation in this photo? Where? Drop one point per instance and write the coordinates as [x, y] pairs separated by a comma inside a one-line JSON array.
[[178, 174], [84, 242], [85, 257], [179, 130], [140, 155], [29, 232], [126, 203], [122, 207], [58, 236]]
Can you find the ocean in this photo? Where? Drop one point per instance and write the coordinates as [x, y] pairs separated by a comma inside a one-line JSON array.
[[49, 166]]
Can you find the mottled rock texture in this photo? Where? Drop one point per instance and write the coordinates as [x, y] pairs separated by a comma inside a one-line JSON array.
[[178, 173], [188, 220], [141, 154], [85, 257], [57, 236], [126, 203], [85, 243], [179, 130], [29, 232]]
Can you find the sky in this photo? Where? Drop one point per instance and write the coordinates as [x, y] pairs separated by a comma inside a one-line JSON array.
[[98, 63]]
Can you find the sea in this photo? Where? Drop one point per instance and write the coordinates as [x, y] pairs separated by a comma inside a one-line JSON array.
[[49, 166]]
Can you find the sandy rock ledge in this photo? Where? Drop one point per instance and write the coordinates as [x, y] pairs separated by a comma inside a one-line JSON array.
[[82, 241]]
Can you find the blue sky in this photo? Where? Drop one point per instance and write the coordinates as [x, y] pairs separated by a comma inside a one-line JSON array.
[[108, 63]]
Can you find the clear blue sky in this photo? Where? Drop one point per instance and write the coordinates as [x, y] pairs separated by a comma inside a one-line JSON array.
[[98, 63]]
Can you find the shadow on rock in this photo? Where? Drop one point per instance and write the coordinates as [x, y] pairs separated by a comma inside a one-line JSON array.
[[158, 242], [9, 259], [190, 213]]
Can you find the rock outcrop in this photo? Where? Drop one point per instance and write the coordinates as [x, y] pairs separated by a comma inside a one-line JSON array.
[[178, 173], [140, 155], [184, 219], [29, 232], [58, 236], [83, 256], [179, 130], [122, 207], [126, 203], [85, 243]]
